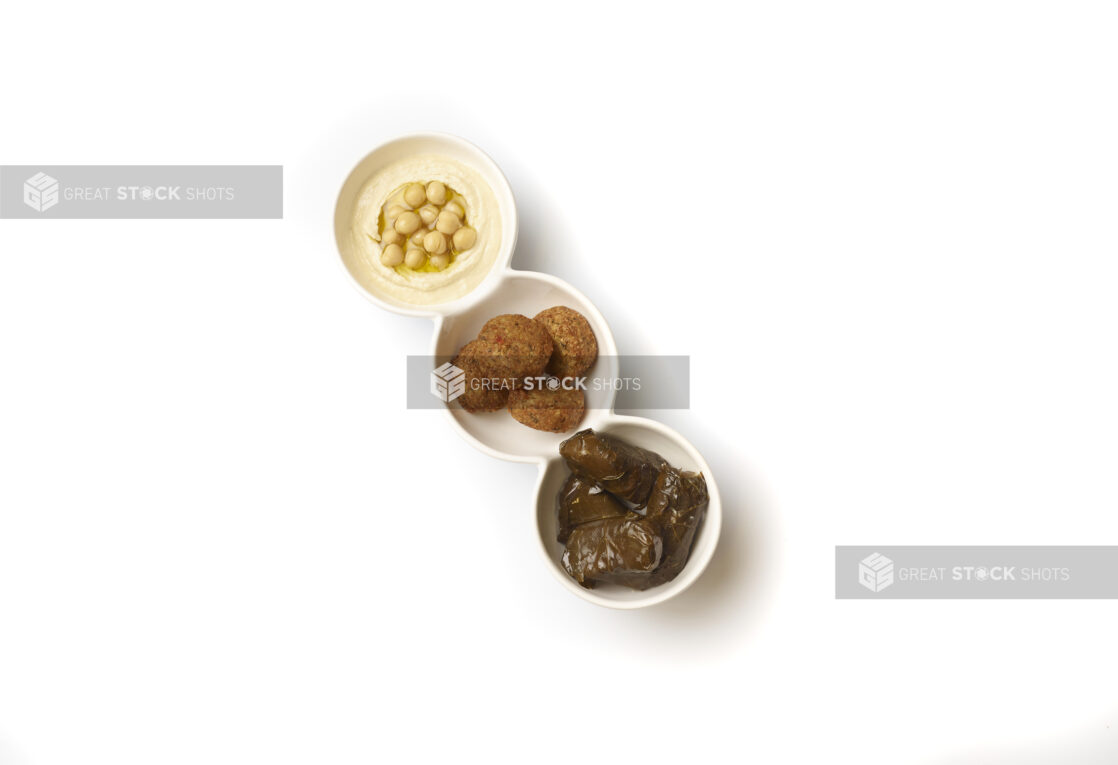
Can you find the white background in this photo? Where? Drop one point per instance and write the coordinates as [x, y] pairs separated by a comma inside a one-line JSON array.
[[884, 232]]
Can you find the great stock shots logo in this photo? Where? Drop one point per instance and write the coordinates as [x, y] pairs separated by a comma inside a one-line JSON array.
[[40, 192], [52, 192], [448, 382], [875, 572], [648, 382]]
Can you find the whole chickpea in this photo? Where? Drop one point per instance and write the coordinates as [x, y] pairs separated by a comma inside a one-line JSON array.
[[464, 238], [414, 195], [436, 193], [447, 222], [415, 258], [434, 243], [407, 223], [392, 255]]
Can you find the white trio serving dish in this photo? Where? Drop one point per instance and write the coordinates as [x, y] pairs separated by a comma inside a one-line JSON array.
[[507, 290]]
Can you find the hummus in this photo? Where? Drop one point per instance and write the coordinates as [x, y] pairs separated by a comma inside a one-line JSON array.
[[426, 286]]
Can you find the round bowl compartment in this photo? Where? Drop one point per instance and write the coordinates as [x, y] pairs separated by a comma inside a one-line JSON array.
[[360, 267], [661, 439], [527, 293]]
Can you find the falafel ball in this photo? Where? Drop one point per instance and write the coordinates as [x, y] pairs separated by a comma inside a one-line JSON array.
[[485, 388], [576, 347], [542, 408], [521, 346]]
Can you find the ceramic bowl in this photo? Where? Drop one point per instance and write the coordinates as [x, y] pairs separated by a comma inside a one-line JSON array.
[[507, 290], [359, 267]]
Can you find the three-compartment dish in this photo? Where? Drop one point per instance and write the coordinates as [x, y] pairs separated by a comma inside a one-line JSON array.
[[426, 226]]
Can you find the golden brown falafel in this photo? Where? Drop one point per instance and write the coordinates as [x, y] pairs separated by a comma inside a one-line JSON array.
[[521, 347], [486, 390], [576, 348]]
